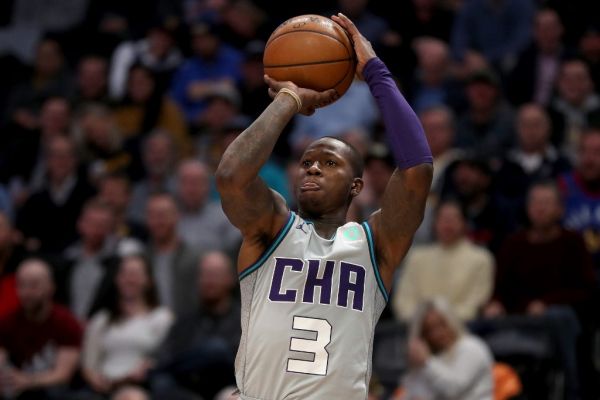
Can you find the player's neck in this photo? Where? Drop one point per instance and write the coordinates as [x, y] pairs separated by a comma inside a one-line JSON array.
[[326, 225]]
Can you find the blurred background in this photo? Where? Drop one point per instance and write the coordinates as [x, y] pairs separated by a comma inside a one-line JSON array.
[[117, 277]]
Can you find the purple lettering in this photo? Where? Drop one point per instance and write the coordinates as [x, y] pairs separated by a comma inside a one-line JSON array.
[[324, 283], [280, 265], [357, 286]]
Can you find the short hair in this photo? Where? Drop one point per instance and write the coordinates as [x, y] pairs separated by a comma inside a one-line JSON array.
[[356, 159], [546, 184]]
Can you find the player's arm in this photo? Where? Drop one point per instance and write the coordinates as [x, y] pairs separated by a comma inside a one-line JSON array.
[[249, 204], [403, 202]]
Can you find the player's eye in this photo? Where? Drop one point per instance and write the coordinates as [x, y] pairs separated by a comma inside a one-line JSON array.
[[305, 163], [331, 163]]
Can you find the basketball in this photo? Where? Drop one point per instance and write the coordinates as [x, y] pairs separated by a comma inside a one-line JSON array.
[[312, 51]]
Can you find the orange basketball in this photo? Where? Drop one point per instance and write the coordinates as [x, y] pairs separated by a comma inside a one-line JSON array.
[[312, 51]]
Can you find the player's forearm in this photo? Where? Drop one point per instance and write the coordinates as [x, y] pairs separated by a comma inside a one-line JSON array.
[[403, 129], [245, 156]]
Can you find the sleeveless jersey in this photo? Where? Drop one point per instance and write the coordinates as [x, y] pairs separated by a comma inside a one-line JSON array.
[[309, 310]]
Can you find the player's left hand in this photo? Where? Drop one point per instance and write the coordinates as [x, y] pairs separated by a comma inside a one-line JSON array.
[[311, 99], [362, 47]]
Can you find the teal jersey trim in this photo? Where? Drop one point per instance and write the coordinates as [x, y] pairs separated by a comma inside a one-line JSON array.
[[278, 238], [372, 253]]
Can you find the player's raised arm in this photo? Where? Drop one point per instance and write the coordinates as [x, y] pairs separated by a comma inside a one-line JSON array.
[[403, 202], [249, 204]]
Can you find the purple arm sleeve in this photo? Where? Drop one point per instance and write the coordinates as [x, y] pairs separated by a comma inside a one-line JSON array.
[[403, 129]]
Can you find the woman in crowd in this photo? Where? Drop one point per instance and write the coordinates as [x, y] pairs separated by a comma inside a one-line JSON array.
[[121, 339]]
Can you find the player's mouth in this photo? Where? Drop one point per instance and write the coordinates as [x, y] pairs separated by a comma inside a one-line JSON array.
[[309, 187]]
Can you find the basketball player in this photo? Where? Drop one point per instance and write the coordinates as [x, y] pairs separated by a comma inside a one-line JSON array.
[[313, 286]]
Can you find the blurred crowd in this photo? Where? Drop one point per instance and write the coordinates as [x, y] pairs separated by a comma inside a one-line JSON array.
[[117, 263]]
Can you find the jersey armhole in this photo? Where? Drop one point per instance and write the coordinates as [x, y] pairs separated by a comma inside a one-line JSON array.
[[267, 253], [373, 254]]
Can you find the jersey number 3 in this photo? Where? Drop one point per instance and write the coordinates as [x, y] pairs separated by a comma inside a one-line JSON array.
[[314, 347]]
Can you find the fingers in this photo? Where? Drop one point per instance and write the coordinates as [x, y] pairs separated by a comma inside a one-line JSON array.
[[346, 23], [273, 84], [272, 93]]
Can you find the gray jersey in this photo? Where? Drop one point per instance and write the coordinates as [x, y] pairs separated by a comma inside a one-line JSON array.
[[309, 309]]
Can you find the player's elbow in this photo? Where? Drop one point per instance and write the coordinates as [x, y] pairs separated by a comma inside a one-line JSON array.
[[228, 178]]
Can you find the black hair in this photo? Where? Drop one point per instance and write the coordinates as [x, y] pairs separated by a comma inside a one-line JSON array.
[[113, 301], [153, 106]]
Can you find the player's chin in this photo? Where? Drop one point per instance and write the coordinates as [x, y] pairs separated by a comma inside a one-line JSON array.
[[310, 200]]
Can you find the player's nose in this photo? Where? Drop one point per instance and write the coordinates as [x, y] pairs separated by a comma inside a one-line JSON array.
[[314, 169]]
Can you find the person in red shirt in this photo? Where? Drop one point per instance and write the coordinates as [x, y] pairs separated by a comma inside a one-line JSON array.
[[40, 340], [11, 254]]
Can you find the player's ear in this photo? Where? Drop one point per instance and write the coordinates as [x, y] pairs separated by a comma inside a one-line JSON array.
[[357, 186]]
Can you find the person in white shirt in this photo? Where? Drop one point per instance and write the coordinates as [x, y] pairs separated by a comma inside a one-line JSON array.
[[453, 267], [120, 339], [446, 362]]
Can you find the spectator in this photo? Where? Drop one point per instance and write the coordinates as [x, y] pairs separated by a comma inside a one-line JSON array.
[[11, 254], [373, 27], [243, 22], [486, 126], [40, 341], [145, 108], [440, 129], [469, 181], [24, 155], [498, 30], [121, 339], [99, 142], [580, 191], [197, 355], [173, 261], [58, 203], [445, 361], [433, 84], [589, 49], [424, 18], [550, 263], [379, 167], [130, 392], [253, 89], [427, 269], [203, 224], [213, 64], [532, 79], [49, 78], [574, 106], [115, 191], [88, 266], [157, 52], [533, 159], [159, 158], [91, 83], [554, 272]]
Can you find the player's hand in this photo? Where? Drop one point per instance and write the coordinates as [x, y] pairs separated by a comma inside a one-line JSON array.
[[362, 47], [311, 99]]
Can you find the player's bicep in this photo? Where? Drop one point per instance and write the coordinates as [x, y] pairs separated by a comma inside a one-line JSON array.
[[255, 209]]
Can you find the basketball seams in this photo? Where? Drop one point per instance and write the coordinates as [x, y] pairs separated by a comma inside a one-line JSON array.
[[312, 63], [311, 31]]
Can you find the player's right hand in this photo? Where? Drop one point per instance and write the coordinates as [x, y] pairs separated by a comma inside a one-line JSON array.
[[311, 99]]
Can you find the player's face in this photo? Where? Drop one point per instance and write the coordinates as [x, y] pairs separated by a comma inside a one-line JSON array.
[[325, 177]]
